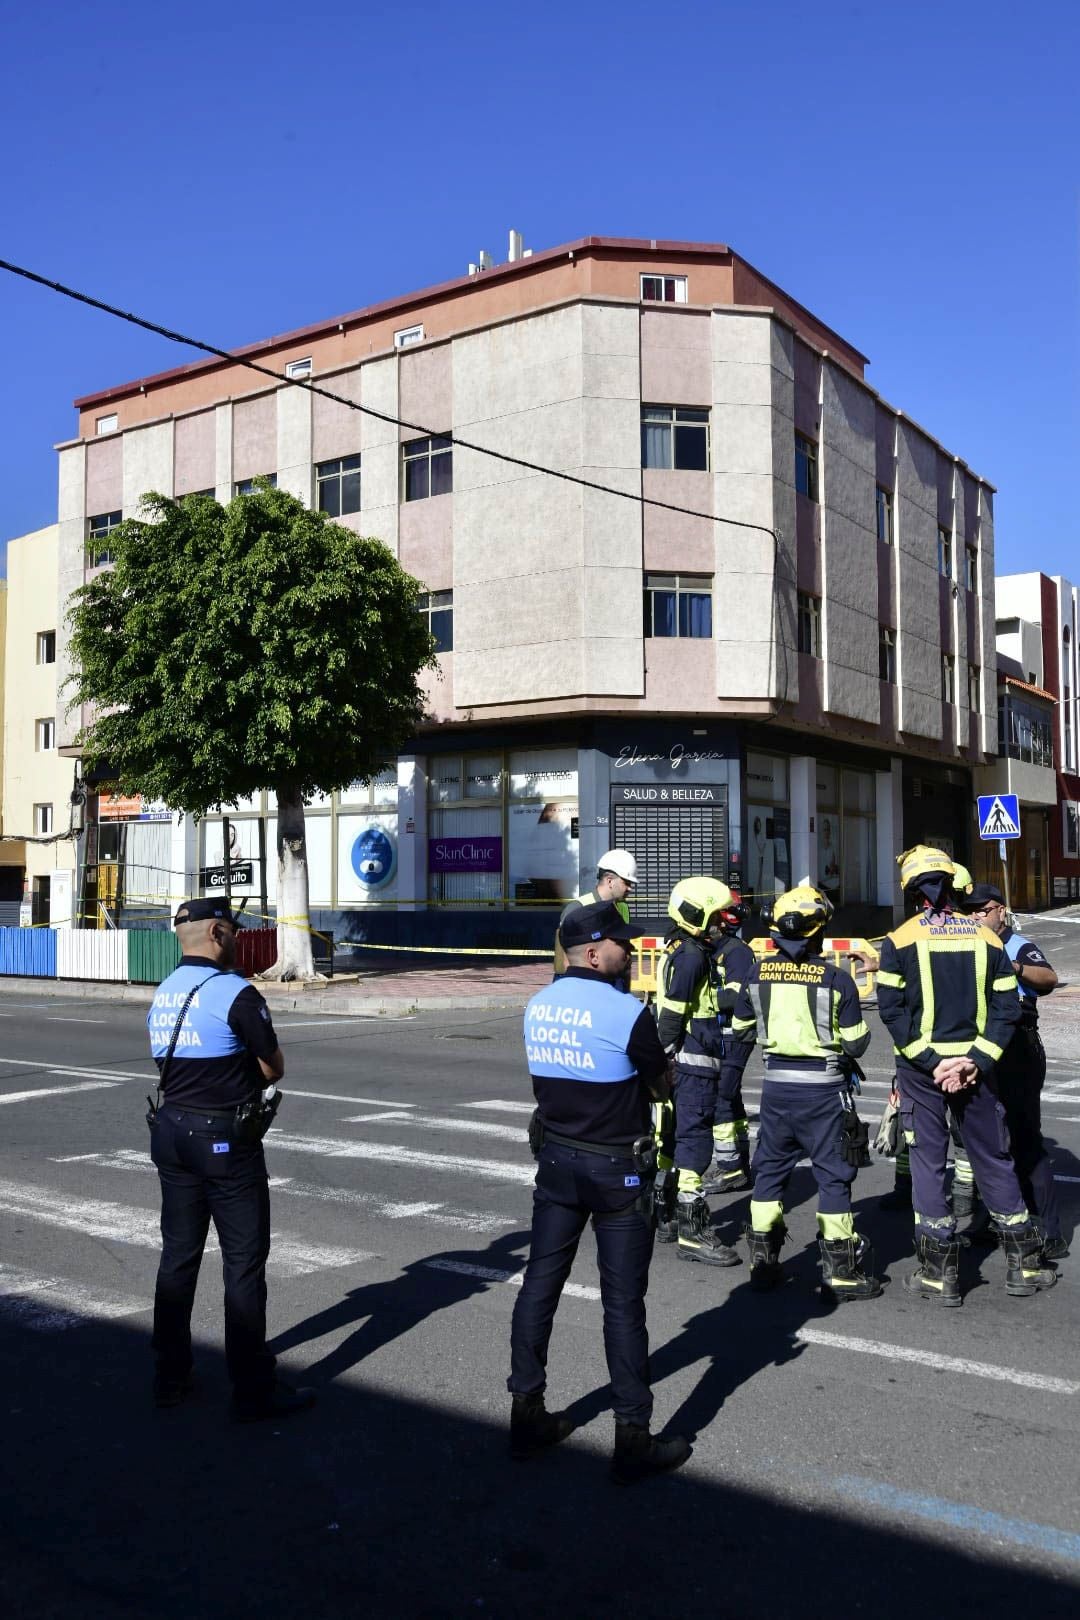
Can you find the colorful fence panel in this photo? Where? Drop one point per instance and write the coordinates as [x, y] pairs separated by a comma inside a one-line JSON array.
[[152, 954], [28, 952], [92, 953]]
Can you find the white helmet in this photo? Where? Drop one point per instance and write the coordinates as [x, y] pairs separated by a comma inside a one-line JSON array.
[[619, 861]]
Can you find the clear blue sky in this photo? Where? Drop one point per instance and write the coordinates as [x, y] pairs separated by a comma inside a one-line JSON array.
[[910, 172]]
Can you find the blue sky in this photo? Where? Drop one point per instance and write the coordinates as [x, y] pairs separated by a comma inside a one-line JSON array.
[[910, 172]]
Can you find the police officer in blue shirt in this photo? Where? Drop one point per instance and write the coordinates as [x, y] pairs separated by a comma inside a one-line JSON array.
[[216, 1051], [596, 1061]]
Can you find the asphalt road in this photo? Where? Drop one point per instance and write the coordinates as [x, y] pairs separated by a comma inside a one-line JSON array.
[[883, 1459]]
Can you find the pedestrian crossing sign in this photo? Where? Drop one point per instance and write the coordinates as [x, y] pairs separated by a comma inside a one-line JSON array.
[[999, 815]]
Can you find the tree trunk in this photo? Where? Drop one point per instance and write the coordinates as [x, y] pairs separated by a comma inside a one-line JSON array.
[[294, 958]]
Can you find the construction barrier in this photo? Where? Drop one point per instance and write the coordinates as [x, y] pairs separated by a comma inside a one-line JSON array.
[[90, 953], [844, 953], [116, 955]]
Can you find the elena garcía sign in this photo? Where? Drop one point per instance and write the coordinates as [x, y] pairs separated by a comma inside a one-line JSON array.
[[674, 758]]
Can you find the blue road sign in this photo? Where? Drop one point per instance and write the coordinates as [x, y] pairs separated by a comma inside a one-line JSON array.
[[999, 815]]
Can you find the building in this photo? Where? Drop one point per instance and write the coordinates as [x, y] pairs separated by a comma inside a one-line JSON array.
[[768, 663], [36, 865], [1038, 617]]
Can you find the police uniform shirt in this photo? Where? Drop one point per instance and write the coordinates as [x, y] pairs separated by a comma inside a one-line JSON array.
[[591, 1050], [226, 1028], [1022, 953]]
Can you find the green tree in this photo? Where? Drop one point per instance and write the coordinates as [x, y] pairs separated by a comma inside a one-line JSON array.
[[255, 645]]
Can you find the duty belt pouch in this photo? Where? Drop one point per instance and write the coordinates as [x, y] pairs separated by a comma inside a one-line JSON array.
[[535, 1133], [254, 1118]]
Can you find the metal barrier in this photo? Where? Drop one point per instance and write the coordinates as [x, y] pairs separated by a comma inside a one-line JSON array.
[[91, 953], [844, 953]]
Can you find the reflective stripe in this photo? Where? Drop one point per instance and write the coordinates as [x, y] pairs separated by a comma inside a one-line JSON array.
[[766, 1214], [1005, 984], [980, 984], [914, 1048], [895, 981], [689, 1181], [833, 1227], [955, 1048], [823, 1015], [926, 981], [755, 998], [981, 1044], [853, 1032], [725, 1134], [829, 1075], [743, 1025], [1023, 1219], [696, 1060]]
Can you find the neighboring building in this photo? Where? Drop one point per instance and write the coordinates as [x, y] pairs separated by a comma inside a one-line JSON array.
[[1038, 617], [610, 672], [37, 781]]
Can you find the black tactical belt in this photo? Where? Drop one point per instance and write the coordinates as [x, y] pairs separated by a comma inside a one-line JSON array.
[[204, 1113], [610, 1150]]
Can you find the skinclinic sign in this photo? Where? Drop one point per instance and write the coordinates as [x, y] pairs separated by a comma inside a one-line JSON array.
[[473, 854]]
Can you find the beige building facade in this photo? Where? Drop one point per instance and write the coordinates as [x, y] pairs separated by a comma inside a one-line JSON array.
[[759, 648]]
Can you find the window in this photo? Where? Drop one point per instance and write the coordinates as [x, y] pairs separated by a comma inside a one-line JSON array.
[[428, 468], [886, 654], [1024, 731], [674, 437], [97, 543], [200, 494], [971, 568], [810, 624], [337, 485], [678, 605], [107, 424], [1071, 831], [974, 688], [46, 647], [298, 368], [45, 734], [948, 678], [43, 820], [663, 289], [884, 515], [408, 336], [806, 468], [1066, 699], [246, 486], [438, 608], [944, 552]]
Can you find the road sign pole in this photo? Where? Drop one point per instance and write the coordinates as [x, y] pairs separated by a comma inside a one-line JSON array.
[[1004, 853], [226, 833]]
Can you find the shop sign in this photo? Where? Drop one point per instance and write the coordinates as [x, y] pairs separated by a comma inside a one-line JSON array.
[[673, 759], [700, 793], [241, 875], [473, 854], [133, 808]]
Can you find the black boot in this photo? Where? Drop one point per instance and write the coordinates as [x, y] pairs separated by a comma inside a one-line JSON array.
[[697, 1240], [900, 1197], [847, 1269], [1024, 1274], [533, 1428], [726, 1178], [765, 1256], [638, 1453], [937, 1275], [667, 1222]]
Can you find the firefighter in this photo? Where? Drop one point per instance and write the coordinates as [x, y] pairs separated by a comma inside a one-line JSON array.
[[616, 880], [809, 1018], [733, 959], [690, 1030], [947, 996]]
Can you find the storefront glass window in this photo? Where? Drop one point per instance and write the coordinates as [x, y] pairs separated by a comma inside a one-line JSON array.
[[768, 827]]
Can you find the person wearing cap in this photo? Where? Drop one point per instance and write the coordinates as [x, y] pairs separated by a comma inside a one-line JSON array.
[[214, 1043], [947, 996], [616, 879], [595, 1062], [1019, 1079], [809, 1018]]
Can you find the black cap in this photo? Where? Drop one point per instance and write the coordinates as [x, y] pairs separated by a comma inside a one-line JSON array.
[[190, 911], [982, 894], [586, 924]]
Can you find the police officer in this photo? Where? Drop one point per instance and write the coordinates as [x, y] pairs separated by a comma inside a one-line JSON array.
[[732, 960], [810, 1021], [215, 1047], [595, 1060], [1019, 1078], [616, 879], [947, 995]]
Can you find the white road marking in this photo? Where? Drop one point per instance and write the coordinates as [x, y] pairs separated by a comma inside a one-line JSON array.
[[930, 1358], [331, 1147], [436, 1122], [53, 1304], [55, 1018], [500, 1105], [393, 1116], [337, 1096], [56, 1091], [119, 1223], [309, 1023], [93, 1074], [514, 1278]]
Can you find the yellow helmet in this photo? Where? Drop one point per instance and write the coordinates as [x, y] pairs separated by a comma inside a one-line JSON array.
[[799, 913], [962, 882], [922, 861], [694, 900]]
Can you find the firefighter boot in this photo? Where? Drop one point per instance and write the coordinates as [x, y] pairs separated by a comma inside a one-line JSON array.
[[667, 1221], [1024, 1275], [697, 1240], [533, 1428], [765, 1256], [727, 1177], [639, 1453], [846, 1269], [937, 1275]]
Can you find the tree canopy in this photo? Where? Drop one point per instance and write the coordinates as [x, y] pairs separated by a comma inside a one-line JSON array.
[[248, 646]]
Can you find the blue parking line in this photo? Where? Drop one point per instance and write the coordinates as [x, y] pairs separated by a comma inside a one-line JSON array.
[[960, 1515]]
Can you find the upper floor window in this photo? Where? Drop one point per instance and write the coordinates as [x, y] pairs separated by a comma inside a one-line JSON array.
[[806, 466], [97, 542], [948, 678], [971, 568], [675, 437], [246, 486], [337, 485], [438, 609], [407, 336], [944, 552], [974, 688], [427, 468], [810, 624], [107, 424], [46, 647], [298, 368], [45, 734], [678, 605], [1025, 731], [663, 289], [43, 819], [884, 515], [887, 654]]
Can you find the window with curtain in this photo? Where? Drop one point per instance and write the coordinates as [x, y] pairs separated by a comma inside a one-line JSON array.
[[678, 605], [675, 438]]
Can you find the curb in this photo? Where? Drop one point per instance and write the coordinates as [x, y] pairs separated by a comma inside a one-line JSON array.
[[280, 999]]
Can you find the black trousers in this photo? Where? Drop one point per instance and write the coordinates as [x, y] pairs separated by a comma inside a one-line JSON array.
[[204, 1176], [570, 1186], [1018, 1082]]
